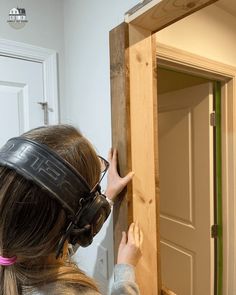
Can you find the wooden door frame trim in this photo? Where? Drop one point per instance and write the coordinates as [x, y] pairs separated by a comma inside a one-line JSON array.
[[127, 57], [133, 85], [133, 59], [187, 62], [48, 58], [154, 15]]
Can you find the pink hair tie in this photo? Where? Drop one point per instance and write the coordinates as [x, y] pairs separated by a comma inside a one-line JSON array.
[[7, 261]]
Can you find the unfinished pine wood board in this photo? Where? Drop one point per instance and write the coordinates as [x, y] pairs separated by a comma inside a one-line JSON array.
[[158, 14], [136, 64], [143, 118], [122, 212]]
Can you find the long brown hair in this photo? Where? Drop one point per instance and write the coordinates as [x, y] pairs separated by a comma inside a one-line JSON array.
[[31, 222]]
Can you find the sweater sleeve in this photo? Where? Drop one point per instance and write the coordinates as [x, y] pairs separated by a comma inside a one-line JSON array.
[[124, 280]]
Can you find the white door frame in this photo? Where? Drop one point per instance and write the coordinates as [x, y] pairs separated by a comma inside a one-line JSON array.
[[194, 64], [48, 58]]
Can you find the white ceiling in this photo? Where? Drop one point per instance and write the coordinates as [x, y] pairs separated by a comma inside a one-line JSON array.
[[228, 5]]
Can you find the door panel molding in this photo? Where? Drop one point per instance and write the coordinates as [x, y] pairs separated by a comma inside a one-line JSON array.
[[42, 55], [186, 153], [18, 89]]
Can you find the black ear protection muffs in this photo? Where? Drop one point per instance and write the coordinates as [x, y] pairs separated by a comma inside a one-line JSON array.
[[86, 211]]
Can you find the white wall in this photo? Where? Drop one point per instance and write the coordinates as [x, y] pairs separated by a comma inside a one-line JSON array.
[[87, 26], [45, 28], [209, 32], [79, 31]]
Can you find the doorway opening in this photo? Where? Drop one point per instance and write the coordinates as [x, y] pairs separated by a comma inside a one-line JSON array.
[[190, 181]]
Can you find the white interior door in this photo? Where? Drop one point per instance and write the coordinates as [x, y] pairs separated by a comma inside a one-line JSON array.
[[186, 190], [21, 88]]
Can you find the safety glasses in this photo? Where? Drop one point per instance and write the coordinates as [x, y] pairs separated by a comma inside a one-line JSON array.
[[104, 168]]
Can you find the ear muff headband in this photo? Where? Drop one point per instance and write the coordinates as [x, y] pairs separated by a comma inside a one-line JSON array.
[[36, 162]]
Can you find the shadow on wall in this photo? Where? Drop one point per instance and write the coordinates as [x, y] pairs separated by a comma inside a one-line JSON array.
[[104, 266], [97, 259]]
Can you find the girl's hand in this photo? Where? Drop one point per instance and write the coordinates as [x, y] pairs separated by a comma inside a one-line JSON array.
[[115, 183], [130, 249]]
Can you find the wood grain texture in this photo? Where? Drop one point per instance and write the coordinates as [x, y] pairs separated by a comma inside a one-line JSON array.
[[166, 291], [157, 14], [120, 111], [134, 127], [143, 118]]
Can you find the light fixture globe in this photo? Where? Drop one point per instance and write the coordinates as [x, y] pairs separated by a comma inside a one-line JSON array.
[[17, 25], [17, 18]]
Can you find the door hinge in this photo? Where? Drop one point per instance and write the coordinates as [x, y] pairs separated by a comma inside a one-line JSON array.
[[213, 119], [214, 231]]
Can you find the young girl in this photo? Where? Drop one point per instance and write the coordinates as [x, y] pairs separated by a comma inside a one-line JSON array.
[[50, 198]]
